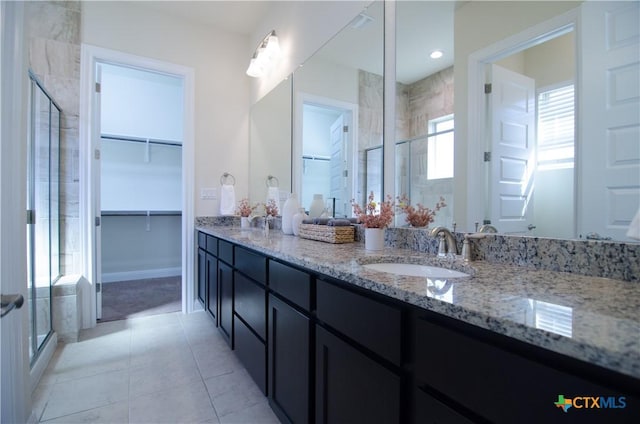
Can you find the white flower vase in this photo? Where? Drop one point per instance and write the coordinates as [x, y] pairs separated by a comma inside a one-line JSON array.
[[244, 222], [374, 238]]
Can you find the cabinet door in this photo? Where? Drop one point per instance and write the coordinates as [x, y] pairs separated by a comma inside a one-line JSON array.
[[252, 353], [202, 278], [429, 410], [351, 387], [212, 286], [225, 291], [289, 359], [249, 302]]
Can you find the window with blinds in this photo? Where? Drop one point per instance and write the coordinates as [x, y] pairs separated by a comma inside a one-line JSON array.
[[556, 128]]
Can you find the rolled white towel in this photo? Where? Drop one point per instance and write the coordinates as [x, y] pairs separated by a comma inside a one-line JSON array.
[[227, 200], [634, 228], [274, 193]]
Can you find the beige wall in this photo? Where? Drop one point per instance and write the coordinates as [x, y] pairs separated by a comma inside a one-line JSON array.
[[219, 60], [479, 24]]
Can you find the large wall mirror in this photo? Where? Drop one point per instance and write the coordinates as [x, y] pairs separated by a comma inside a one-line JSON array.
[[424, 105], [563, 133], [270, 143], [338, 115]]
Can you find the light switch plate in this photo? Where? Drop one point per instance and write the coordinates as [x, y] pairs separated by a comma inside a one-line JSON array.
[[208, 194]]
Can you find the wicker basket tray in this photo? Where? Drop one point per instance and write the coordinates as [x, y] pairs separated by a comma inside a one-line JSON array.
[[327, 233]]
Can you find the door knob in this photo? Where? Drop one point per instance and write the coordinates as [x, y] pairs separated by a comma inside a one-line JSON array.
[[10, 302]]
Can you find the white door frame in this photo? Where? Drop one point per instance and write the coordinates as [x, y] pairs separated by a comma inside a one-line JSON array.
[[476, 112], [300, 100], [15, 394], [90, 55]]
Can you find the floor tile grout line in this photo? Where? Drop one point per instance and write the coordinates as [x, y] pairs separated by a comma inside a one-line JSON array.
[[213, 407]]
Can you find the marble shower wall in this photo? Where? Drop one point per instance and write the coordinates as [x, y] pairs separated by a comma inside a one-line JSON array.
[[53, 34], [422, 101]]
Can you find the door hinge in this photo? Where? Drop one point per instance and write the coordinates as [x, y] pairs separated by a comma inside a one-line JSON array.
[[31, 216], [487, 156], [345, 128], [487, 88], [345, 173], [96, 154], [97, 87], [97, 221]]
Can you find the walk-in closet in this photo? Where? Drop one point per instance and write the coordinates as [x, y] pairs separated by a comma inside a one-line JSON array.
[[141, 129]]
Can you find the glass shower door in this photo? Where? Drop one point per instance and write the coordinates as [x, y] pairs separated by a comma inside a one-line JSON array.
[[43, 218]]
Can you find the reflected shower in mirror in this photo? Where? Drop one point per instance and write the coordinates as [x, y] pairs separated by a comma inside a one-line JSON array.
[[338, 113], [424, 106], [270, 143]]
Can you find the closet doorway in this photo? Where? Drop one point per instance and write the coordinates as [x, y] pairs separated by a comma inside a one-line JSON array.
[[140, 245]]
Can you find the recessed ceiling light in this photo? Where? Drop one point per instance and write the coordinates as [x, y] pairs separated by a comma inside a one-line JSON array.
[[436, 54]]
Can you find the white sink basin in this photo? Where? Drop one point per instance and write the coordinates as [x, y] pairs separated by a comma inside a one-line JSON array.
[[416, 270]]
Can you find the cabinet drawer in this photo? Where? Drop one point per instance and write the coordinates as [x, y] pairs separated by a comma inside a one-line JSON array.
[[460, 366], [290, 283], [212, 245], [252, 353], [202, 240], [250, 304], [251, 264], [369, 322], [225, 251]]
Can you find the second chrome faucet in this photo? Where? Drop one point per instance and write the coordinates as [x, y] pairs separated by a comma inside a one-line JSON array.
[[447, 241]]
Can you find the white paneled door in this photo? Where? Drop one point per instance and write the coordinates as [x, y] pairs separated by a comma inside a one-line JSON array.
[[512, 162], [609, 113]]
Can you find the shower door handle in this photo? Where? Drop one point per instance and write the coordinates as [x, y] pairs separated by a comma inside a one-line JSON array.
[[11, 302]]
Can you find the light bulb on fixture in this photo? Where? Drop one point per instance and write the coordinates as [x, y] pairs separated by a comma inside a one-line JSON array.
[[436, 54], [265, 54]]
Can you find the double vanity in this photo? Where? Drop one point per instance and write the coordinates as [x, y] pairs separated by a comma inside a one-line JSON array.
[[335, 333]]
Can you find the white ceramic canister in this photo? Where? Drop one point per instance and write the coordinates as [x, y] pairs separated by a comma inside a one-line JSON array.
[[297, 220], [317, 206]]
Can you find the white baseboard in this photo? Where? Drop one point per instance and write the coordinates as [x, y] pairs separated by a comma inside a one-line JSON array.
[[142, 274]]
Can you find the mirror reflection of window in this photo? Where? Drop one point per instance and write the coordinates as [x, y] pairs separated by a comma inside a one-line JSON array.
[[440, 148], [556, 144]]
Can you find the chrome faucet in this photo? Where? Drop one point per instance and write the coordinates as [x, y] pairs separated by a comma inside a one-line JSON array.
[[447, 241], [487, 228]]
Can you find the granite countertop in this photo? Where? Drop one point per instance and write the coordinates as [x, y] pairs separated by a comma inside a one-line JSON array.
[[596, 320]]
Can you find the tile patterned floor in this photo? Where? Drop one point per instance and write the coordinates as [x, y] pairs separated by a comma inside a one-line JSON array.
[[166, 368]]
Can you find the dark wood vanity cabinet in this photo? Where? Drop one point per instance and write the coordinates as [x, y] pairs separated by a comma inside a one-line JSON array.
[[326, 351], [290, 344]]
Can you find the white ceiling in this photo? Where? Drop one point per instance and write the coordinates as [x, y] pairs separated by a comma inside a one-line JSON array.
[[422, 26], [239, 16]]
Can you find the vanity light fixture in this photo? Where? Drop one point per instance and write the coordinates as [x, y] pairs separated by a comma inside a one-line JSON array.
[[436, 54], [264, 56]]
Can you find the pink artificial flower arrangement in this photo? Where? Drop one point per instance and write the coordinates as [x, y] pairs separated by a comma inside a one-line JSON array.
[[244, 208], [370, 217], [422, 216], [271, 209]]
